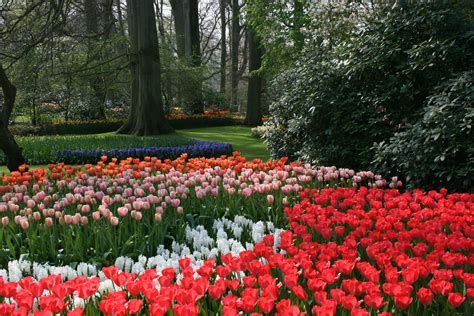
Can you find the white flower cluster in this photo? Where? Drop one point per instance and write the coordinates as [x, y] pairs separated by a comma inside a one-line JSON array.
[[227, 236]]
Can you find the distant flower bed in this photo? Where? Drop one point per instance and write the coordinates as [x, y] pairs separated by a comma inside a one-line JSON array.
[[177, 121], [196, 149]]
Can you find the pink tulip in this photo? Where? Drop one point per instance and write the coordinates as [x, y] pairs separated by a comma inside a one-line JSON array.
[[114, 221], [138, 216], [84, 220], [96, 216], [270, 199], [36, 216], [5, 221], [24, 224], [122, 211], [175, 203], [247, 192], [85, 208], [48, 221]]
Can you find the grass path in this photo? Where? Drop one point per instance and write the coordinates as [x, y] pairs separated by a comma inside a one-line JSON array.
[[239, 136]]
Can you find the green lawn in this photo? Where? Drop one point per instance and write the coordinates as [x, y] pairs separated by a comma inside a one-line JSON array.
[[42, 148], [239, 136]]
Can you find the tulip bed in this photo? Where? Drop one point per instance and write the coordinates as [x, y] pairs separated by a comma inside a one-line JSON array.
[[229, 236]]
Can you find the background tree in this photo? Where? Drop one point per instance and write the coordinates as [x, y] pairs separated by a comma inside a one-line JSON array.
[[235, 44], [223, 67], [254, 95], [197, 106], [146, 115], [36, 22]]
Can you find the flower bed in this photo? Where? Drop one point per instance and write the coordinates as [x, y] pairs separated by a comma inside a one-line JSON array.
[[177, 121], [196, 149], [128, 208], [154, 237]]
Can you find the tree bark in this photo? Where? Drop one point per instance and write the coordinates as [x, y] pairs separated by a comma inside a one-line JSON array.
[[254, 95], [222, 4], [235, 43], [120, 17], [107, 16], [97, 82], [166, 85], [177, 8], [8, 145], [197, 105], [146, 115]]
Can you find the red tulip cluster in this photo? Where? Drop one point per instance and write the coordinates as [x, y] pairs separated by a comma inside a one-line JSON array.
[[349, 251]]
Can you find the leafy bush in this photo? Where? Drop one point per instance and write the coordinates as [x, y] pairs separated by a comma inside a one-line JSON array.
[[370, 79], [436, 151], [260, 131]]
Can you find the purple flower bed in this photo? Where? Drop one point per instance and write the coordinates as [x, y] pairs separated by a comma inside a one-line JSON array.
[[196, 149]]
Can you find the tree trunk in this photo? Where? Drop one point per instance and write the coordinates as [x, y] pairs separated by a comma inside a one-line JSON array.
[[8, 145], [235, 42], [96, 111], [120, 16], [222, 4], [167, 84], [254, 95], [108, 20], [146, 115], [177, 8], [197, 105]]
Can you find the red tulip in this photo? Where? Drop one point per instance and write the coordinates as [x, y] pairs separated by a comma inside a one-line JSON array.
[[265, 304], [470, 293], [78, 311], [425, 296], [110, 272], [403, 301], [374, 301], [249, 281], [349, 302], [455, 299], [24, 298], [300, 292]]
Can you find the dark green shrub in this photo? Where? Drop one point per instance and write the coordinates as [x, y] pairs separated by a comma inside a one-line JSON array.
[[438, 150], [365, 82]]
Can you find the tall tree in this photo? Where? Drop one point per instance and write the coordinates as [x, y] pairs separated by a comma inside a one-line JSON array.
[[8, 144], [107, 16], [197, 105], [118, 5], [222, 12], [186, 16], [146, 114], [254, 95], [40, 20], [91, 11], [177, 9], [235, 43]]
